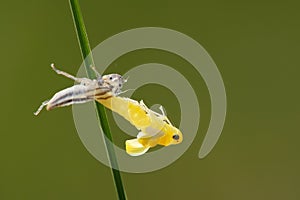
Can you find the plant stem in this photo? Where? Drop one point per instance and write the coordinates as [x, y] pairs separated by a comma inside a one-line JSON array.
[[100, 110]]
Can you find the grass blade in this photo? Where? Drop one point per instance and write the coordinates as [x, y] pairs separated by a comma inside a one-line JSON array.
[[100, 110]]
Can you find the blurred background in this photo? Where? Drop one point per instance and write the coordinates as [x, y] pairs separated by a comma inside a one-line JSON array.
[[255, 45]]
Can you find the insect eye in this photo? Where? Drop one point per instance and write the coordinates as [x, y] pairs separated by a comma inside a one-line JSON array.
[[120, 85], [176, 137], [110, 78]]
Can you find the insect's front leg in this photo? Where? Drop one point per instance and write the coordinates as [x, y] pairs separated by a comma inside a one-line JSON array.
[[98, 75], [84, 81], [162, 110]]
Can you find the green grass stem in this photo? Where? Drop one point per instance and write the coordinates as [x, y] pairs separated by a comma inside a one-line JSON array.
[[100, 110]]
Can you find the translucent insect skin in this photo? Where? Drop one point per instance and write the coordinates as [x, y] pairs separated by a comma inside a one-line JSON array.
[[87, 90], [75, 95]]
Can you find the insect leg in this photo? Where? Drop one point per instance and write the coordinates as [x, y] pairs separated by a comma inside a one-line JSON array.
[[98, 75], [165, 118], [162, 110], [84, 81], [41, 107]]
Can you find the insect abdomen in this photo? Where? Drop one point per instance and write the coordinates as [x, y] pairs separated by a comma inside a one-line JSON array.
[[74, 95]]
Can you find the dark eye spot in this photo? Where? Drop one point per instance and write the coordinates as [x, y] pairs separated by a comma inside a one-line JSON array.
[[110, 78], [176, 137], [120, 85]]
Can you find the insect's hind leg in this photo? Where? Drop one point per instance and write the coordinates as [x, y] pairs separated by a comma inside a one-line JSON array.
[[83, 81], [41, 107]]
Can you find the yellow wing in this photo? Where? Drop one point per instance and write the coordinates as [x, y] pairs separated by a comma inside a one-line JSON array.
[[130, 109], [135, 148], [138, 115]]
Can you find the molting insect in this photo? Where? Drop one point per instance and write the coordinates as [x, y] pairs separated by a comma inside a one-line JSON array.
[[155, 128]]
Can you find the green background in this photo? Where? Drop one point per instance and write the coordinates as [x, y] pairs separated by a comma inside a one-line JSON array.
[[255, 44]]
